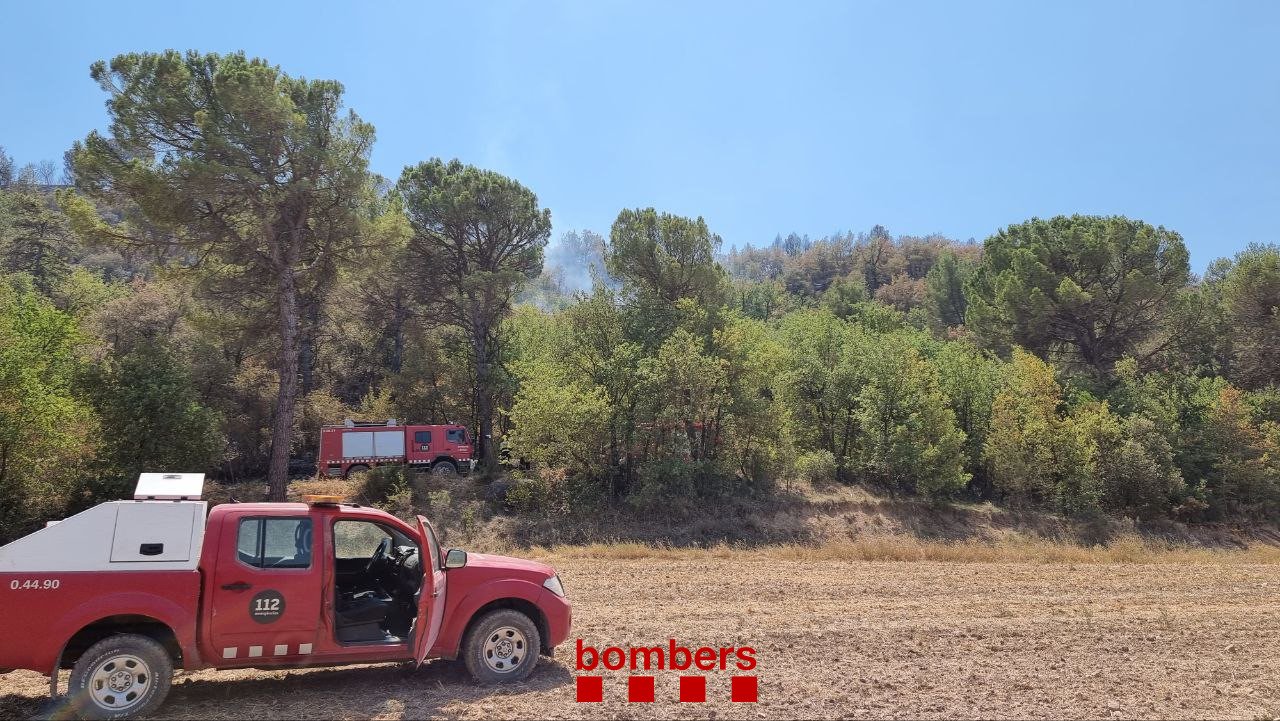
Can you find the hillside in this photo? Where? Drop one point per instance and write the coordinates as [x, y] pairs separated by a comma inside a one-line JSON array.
[[848, 520]]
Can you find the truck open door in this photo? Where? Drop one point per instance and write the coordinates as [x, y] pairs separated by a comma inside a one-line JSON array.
[[431, 597]]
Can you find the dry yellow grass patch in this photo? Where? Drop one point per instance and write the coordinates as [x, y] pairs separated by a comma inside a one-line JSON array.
[[1128, 549]]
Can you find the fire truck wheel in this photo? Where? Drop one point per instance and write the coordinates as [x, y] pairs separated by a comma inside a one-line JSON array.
[[358, 468], [502, 647], [120, 676], [444, 469]]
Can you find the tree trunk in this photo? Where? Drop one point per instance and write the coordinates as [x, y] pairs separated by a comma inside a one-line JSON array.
[[307, 347], [398, 318], [282, 428], [484, 400]]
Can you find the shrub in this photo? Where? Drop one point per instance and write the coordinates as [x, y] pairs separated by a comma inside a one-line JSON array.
[[380, 484], [817, 467]]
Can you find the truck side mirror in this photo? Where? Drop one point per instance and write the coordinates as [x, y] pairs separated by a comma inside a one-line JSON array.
[[455, 558]]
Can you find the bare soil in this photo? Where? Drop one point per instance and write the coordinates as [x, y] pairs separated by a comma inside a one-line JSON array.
[[841, 638]]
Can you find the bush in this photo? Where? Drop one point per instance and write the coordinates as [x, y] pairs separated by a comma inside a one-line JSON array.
[[380, 484], [817, 467], [542, 495]]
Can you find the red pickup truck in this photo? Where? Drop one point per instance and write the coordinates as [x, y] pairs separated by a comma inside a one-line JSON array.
[[127, 591]]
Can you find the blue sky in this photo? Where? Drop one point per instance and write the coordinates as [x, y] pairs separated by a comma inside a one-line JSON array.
[[764, 118]]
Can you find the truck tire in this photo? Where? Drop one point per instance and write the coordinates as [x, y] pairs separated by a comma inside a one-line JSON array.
[[119, 677], [444, 469], [357, 468], [502, 647]]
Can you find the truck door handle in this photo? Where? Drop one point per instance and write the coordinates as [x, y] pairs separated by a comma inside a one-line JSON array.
[[237, 586]]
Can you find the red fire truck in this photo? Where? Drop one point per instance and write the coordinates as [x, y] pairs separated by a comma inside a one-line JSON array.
[[445, 450], [127, 591]]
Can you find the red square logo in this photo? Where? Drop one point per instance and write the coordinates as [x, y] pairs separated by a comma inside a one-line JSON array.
[[590, 689], [640, 689], [693, 689], [743, 688]]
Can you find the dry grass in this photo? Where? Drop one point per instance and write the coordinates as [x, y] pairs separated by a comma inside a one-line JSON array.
[[345, 488], [906, 549]]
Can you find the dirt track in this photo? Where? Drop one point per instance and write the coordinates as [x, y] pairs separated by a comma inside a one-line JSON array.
[[845, 640]]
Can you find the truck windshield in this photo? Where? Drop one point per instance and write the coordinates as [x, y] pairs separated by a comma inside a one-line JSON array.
[[274, 542]]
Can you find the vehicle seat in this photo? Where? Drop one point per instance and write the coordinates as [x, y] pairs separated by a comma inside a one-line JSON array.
[[360, 616]]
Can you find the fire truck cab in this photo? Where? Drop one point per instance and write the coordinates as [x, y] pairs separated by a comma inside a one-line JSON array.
[[442, 449], [125, 592]]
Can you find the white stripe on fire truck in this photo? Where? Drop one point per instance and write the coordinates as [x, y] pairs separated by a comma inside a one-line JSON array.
[[281, 649]]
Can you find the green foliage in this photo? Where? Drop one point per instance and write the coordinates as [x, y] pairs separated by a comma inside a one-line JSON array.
[[969, 378], [1250, 294], [663, 257], [228, 276], [482, 235], [845, 296], [1037, 454], [238, 162], [1081, 290], [35, 238], [820, 382], [816, 467], [908, 440], [945, 290], [1243, 478], [557, 420], [151, 416], [47, 432], [1134, 463]]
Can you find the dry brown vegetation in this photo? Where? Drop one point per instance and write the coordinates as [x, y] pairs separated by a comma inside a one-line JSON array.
[[882, 627]]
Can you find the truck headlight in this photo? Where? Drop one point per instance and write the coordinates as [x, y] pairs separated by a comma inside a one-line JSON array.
[[553, 585]]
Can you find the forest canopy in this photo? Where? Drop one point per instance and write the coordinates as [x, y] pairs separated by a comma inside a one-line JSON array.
[[219, 274]]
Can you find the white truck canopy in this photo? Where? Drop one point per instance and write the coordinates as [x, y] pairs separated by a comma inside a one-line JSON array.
[[138, 535]]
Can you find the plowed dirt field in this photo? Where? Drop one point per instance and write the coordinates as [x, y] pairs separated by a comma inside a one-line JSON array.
[[841, 639]]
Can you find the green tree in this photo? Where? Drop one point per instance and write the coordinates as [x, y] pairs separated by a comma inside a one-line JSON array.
[[481, 235], [1082, 290], [148, 397], [38, 240], [944, 288], [1250, 293], [46, 431], [556, 414], [908, 440], [662, 257], [258, 171], [1244, 478], [820, 381], [969, 378], [1036, 455], [1134, 462], [6, 169], [845, 296]]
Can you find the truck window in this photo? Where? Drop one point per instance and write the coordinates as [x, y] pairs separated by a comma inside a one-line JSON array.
[[275, 542], [422, 437], [456, 435], [357, 539]]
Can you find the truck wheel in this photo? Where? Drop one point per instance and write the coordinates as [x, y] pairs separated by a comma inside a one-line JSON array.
[[358, 468], [444, 469], [502, 647], [120, 676]]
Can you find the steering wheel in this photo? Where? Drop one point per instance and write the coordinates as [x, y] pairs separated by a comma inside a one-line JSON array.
[[379, 554], [302, 540]]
